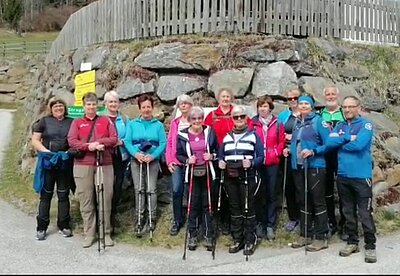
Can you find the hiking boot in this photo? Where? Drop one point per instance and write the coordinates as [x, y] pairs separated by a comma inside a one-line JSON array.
[[174, 229], [249, 249], [108, 241], [270, 234], [88, 241], [66, 232], [317, 245], [192, 243], [291, 225], [140, 230], [236, 247], [301, 241], [260, 230], [344, 237], [41, 235], [153, 225], [208, 243], [348, 250], [225, 229], [370, 256]]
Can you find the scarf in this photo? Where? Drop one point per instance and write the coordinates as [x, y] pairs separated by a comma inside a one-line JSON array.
[[239, 130], [265, 123]]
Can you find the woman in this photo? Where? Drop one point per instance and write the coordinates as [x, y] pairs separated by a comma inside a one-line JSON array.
[[184, 103], [197, 148], [145, 140], [272, 135], [96, 137], [50, 136], [241, 154], [120, 155], [289, 118], [307, 150]]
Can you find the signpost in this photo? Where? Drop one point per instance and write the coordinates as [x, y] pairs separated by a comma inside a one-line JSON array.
[[78, 112], [84, 82]]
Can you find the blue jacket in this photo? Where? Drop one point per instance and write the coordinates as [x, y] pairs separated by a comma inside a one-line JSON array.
[[312, 134], [121, 126], [48, 161], [354, 157], [140, 132], [284, 116]]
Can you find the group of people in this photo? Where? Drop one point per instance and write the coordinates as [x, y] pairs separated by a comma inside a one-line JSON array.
[[223, 164]]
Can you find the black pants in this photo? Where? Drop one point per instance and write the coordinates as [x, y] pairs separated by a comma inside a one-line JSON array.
[[243, 224], [200, 204], [316, 204], [119, 174], [63, 179], [224, 212], [266, 196], [356, 195]]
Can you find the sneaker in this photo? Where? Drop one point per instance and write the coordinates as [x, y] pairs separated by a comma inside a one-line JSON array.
[[225, 229], [108, 241], [192, 243], [249, 249], [370, 256], [348, 250], [41, 235], [66, 232], [87, 242], [301, 241], [291, 225], [153, 225], [140, 230], [344, 237], [174, 229], [317, 245], [236, 247], [208, 243], [270, 234], [260, 230]]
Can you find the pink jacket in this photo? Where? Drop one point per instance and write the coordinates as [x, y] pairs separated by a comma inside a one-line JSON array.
[[172, 139]]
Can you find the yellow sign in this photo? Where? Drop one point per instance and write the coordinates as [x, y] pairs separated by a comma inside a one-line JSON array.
[[84, 82]]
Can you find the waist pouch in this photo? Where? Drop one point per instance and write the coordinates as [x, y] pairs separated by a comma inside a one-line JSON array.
[[199, 170], [233, 168]]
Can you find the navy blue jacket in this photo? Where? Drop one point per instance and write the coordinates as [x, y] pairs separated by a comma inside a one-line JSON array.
[[354, 157], [313, 136]]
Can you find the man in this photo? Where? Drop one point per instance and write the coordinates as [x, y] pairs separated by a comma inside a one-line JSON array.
[[332, 114], [353, 139]]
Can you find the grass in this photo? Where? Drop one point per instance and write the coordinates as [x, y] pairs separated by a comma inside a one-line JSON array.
[[8, 36], [8, 105]]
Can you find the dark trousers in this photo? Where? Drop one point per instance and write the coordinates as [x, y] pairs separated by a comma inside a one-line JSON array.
[[224, 212], [316, 204], [119, 174], [178, 188], [356, 197], [292, 203], [63, 179], [243, 224], [200, 204], [268, 177]]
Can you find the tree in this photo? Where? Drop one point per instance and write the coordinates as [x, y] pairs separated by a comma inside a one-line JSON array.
[[12, 13]]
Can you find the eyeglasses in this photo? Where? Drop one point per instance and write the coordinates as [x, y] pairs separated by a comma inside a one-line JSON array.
[[196, 119], [292, 98], [239, 117], [349, 106]]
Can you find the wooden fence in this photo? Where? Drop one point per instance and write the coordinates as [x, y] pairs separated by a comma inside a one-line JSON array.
[[24, 48], [115, 20]]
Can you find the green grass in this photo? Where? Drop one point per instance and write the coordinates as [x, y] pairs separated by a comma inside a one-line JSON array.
[[8, 36], [8, 105]]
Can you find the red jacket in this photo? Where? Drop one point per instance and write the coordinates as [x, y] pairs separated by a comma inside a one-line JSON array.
[[104, 132], [274, 143]]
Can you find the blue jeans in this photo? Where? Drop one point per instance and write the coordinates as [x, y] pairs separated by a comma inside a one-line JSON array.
[[268, 177], [178, 184]]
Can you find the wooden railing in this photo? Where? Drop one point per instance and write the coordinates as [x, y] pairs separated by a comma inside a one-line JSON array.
[[114, 20], [16, 49]]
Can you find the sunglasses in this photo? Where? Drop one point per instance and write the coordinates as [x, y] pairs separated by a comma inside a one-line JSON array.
[[292, 98], [239, 117]]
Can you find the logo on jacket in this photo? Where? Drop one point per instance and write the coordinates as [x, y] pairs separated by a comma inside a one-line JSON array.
[[325, 124], [368, 126]]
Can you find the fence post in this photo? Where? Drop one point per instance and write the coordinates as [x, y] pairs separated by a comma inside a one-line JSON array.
[[24, 48], [45, 47], [4, 49]]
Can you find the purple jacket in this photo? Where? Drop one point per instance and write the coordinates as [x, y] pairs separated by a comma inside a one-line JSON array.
[[170, 154]]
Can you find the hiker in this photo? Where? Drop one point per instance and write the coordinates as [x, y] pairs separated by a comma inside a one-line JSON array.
[[197, 148], [272, 135], [145, 140], [120, 155], [307, 150], [93, 135], [290, 118], [353, 139], [332, 114], [240, 155], [50, 137], [184, 103]]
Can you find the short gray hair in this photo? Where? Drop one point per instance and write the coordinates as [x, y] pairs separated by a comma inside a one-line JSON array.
[[110, 94], [196, 111], [331, 86], [184, 98], [238, 109], [230, 92]]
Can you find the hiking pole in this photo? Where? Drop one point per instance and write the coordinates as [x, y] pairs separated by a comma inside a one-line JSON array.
[[246, 204], [188, 209], [209, 201], [149, 202], [100, 206], [305, 202], [140, 199], [284, 184], [221, 182]]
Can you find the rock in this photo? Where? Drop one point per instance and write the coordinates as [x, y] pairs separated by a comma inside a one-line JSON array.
[[7, 97], [329, 48], [377, 175], [393, 175], [77, 58], [258, 55], [315, 86], [122, 56], [287, 55], [99, 57], [392, 145], [353, 71], [170, 87], [238, 80], [382, 123], [18, 69], [380, 187], [304, 69], [132, 87], [8, 87]]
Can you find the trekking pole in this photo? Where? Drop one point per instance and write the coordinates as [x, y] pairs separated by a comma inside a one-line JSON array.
[[99, 206], [305, 202], [221, 182], [140, 199], [209, 200], [149, 202], [246, 203], [284, 184], [188, 209]]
